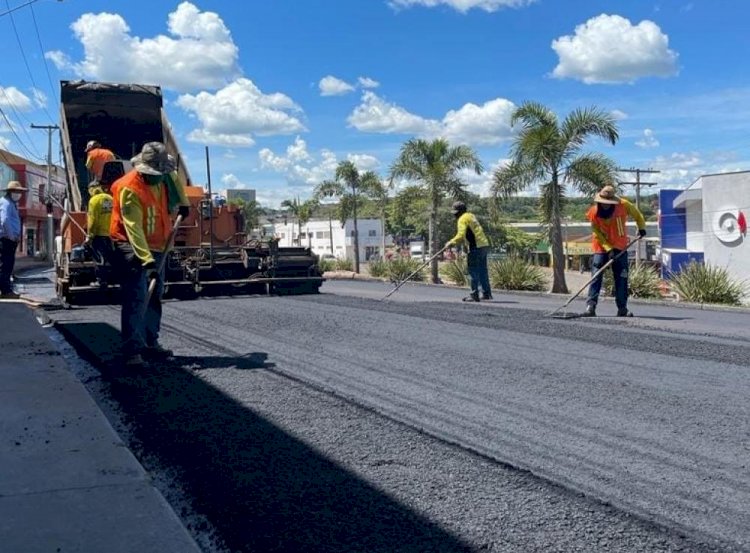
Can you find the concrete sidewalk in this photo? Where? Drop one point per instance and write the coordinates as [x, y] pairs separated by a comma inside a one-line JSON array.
[[67, 482]]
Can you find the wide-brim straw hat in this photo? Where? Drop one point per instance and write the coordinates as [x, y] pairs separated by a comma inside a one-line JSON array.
[[14, 185], [607, 195]]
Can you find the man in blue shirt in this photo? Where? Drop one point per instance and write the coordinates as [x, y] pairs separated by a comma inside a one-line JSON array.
[[10, 235]]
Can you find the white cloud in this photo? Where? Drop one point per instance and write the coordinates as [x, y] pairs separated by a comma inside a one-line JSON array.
[[463, 6], [364, 162], [485, 124], [482, 183], [610, 49], [199, 53], [649, 140], [618, 115], [376, 115], [367, 82], [4, 142], [332, 86], [40, 98], [11, 97], [681, 169], [231, 181], [239, 110], [298, 166], [470, 124]]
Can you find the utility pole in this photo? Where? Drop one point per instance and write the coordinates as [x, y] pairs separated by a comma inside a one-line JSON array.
[[637, 184], [50, 240]]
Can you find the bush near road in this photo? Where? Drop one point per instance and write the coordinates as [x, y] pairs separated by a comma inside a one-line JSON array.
[[701, 283], [513, 273]]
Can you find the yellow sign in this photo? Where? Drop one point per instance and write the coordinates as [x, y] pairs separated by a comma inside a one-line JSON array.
[[578, 248]]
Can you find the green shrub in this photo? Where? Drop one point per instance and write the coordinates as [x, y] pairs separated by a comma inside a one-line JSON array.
[[513, 273], [455, 271], [326, 265], [401, 267], [344, 265], [643, 282], [700, 283], [378, 268]]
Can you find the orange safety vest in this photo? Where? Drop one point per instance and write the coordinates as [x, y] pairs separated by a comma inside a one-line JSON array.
[[156, 222], [98, 157], [614, 228]]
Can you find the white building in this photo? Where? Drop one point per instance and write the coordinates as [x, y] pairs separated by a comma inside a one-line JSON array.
[[708, 220], [321, 234]]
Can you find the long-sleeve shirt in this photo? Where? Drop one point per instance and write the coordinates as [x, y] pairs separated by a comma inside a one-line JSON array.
[[611, 233], [469, 231], [99, 214], [132, 217], [10, 220]]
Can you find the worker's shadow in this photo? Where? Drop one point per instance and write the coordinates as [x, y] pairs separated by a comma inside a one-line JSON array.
[[249, 361], [228, 443]]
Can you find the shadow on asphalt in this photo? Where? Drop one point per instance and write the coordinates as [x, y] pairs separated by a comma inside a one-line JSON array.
[[245, 362], [261, 488]]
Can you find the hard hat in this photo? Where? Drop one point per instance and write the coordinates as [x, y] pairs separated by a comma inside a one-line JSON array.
[[458, 208], [91, 145]]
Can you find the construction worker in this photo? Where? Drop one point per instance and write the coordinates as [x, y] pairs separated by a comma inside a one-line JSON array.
[[140, 230], [98, 219], [470, 232], [10, 236], [609, 217], [96, 157]]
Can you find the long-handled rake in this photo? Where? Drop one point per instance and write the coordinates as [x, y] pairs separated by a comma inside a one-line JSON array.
[[422, 266], [152, 283], [565, 315]]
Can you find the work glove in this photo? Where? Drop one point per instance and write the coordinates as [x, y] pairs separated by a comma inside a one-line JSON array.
[[183, 211], [641, 232], [152, 272]]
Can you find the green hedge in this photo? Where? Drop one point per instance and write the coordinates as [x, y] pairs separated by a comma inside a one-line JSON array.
[[700, 283]]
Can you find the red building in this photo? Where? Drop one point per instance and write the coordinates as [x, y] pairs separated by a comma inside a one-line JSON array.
[[33, 204]]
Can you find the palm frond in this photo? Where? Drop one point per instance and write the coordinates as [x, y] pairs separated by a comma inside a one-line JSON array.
[[329, 189], [514, 178], [533, 114], [347, 172], [590, 172], [584, 122]]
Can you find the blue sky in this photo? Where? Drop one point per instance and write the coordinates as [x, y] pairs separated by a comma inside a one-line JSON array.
[[283, 90]]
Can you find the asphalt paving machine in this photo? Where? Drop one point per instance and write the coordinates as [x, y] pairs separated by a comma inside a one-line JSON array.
[[213, 252]]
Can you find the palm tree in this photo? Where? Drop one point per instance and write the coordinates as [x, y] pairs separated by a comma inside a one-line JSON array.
[[348, 187], [302, 211], [434, 165], [548, 153]]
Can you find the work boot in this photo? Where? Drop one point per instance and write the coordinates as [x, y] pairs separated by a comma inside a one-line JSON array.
[[157, 352], [623, 312], [486, 296], [590, 311], [474, 296], [9, 296]]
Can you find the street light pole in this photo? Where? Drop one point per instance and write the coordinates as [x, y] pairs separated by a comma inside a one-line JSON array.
[[637, 184], [50, 239]]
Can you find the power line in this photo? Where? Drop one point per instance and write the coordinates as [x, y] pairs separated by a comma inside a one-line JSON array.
[[23, 53], [11, 10], [44, 58], [18, 138]]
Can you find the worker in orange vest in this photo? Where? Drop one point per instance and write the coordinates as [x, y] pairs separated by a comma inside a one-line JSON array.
[[96, 157], [609, 217], [140, 229]]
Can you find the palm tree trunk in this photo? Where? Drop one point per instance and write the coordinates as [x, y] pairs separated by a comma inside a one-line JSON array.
[[555, 239], [356, 238], [433, 246], [330, 230]]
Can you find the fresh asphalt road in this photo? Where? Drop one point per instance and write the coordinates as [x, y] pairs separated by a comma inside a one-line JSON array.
[[486, 427]]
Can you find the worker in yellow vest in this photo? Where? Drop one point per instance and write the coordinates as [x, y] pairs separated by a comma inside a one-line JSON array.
[[609, 217], [98, 218], [469, 232]]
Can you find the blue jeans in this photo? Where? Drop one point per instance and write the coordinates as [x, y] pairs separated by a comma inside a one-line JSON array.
[[620, 274], [138, 330], [476, 262]]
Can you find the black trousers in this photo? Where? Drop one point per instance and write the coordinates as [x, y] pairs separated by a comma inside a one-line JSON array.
[[7, 262]]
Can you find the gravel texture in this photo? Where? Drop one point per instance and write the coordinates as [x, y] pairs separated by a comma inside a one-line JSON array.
[[339, 423]]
